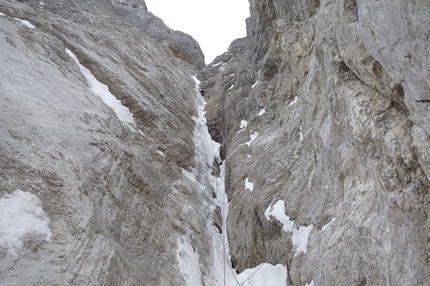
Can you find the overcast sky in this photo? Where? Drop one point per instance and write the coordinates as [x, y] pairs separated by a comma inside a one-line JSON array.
[[214, 24]]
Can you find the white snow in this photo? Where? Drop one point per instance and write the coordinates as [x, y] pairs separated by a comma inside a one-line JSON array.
[[293, 102], [263, 275], [249, 185], [103, 92], [257, 80], [243, 124], [217, 64], [231, 87], [301, 134], [26, 23], [252, 138], [188, 262], [310, 284], [232, 74], [1, 14], [21, 213], [262, 112], [325, 227], [188, 258], [300, 235]]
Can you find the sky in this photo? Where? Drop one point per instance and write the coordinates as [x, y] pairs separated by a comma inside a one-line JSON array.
[[214, 24]]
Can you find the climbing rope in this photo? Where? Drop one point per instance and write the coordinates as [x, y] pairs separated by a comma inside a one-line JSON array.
[[225, 256]]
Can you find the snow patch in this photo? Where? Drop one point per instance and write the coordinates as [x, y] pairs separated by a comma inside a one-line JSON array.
[[293, 102], [249, 185], [243, 124], [310, 284], [301, 134], [300, 235], [188, 262], [26, 23], [217, 64], [232, 74], [252, 138], [254, 85], [103, 92], [264, 275], [21, 213], [231, 87], [1, 14], [262, 112]]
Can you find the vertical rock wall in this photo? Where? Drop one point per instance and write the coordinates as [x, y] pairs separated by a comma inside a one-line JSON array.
[[116, 197], [334, 94]]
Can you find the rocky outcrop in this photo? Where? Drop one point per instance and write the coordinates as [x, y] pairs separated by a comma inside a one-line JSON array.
[[323, 106], [117, 196]]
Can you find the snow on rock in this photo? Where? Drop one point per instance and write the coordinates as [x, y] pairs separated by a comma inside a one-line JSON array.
[[188, 262], [249, 185], [231, 87], [264, 275], [293, 102], [301, 133], [26, 23], [255, 84], [103, 92], [262, 112], [300, 235], [21, 213], [243, 124], [252, 138], [217, 64]]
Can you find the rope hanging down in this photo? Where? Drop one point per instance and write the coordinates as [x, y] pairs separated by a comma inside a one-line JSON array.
[[225, 256]]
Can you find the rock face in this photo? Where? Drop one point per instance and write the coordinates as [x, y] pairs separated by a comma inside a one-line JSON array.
[[324, 105], [321, 112], [116, 197]]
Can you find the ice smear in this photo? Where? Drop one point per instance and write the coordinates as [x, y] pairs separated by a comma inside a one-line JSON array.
[[262, 112], [21, 213], [293, 102], [252, 138], [300, 235], [26, 23], [249, 185], [102, 91]]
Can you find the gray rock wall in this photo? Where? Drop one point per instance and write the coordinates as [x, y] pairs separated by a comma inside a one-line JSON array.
[[343, 141], [117, 199]]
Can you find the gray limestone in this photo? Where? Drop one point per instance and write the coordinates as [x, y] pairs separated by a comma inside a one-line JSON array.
[[344, 140]]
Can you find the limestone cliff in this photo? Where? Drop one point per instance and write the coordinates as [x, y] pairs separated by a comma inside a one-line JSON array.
[[117, 196], [324, 106]]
